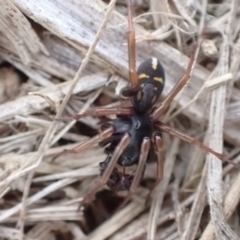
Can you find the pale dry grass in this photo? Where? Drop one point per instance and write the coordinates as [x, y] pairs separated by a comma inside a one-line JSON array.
[[73, 56]]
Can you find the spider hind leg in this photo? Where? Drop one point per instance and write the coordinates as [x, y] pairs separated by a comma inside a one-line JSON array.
[[97, 112], [139, 173], [110, 167], [174, 132], [158, 144], [83, 146]]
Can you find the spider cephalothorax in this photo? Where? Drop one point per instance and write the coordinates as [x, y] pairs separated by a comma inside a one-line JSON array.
[[135, 136], [151, 79]]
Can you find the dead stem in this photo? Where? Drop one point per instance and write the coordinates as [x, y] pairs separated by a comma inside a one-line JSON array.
[[31, 95]]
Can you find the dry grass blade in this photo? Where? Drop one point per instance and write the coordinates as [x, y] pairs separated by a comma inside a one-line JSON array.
[[82, 38], [180, 218], [69, 125], [9, 233], [54, 214], [40, 231], [40, 195], [36, 75], [82, 172], [161, 189], [197, 209], [117, 221], [22, 215], [230, 203], [45, 142], [51, 188], [214, 184], [30, 104], [19, 31]]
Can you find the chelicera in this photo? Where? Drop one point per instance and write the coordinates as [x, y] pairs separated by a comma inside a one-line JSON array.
[[135, 136]]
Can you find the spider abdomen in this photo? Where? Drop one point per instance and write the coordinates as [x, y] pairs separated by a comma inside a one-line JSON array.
[[138, 126]]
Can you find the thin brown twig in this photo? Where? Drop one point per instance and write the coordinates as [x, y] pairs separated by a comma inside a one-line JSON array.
[[160, 191], [197, 209], [214, 183], [176, 202], [46, 140], [22, 214]]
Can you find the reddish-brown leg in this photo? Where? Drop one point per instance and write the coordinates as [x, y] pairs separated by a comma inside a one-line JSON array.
[[139, 173], [158, 142], [100, 112], [131, 49], [172, 131], [181, 83], [99, 138], [108, 171]]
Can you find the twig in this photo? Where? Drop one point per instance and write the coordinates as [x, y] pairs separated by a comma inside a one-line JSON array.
[[230, 203], [44, 192], [117, 221], [175, 199], [214, 183], [69, 125], [45, 142], [79, 35], [20, 32], [208, 84], [30, 104], [160, 191], [22, 214], [197, 209]]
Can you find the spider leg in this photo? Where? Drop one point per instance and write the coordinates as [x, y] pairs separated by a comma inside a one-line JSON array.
[[131, 48], [174, 132], [99, 138], [108, 171], [139, 173], [99, 112], [158, 141], [178, 87]]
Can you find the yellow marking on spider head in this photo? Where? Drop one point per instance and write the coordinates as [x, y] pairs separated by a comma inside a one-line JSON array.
[[154, 63], [155, 88], [154, 99], [143, 75], [139, 95], [159, 79]]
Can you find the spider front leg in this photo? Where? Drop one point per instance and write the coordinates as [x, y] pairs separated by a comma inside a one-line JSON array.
[[139, 173], [110, 167], [100, 112], [158, 144], [97, 139], [178, 87], [131, 49], [128, 92], [174, 132]]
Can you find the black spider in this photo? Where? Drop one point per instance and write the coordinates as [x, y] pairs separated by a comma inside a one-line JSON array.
[[134, 137]]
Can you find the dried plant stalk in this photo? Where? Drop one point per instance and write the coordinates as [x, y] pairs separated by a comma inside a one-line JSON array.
[[19, 31], [59, 185], [30, 104]]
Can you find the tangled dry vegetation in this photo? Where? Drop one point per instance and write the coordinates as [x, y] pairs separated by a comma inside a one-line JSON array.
[[42, 45]]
